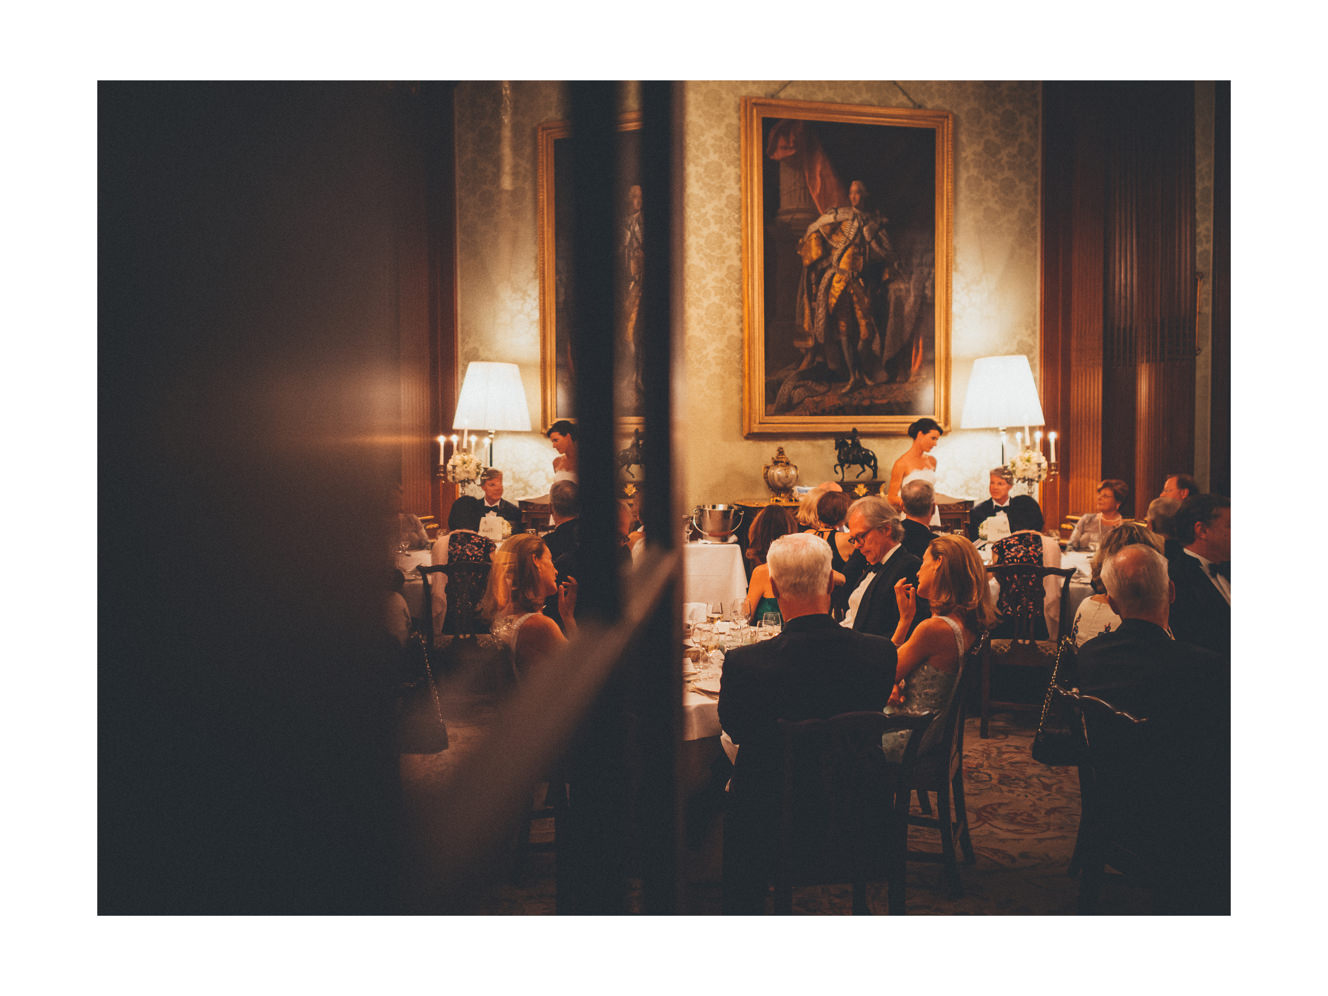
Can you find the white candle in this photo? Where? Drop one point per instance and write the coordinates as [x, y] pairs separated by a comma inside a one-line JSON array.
[[1019, 441], [1052, 440], [442, 451], [1037, 437]]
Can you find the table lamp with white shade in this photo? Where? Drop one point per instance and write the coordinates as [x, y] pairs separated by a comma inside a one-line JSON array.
[[1001, 393], [492, 400]]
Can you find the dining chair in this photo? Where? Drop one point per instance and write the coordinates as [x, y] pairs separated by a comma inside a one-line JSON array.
[[1115, 767], [1151, 811], [843, 808], [429, 628], [469, 559], [939, 770], [1018, 644]]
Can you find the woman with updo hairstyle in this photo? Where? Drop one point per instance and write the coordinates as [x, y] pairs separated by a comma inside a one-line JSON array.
[[522, 577], [1092, 529], [1094, 615], [845, 559], [954, 581], [770, 523]]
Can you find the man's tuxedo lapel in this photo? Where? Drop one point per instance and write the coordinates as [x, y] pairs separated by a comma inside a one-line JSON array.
[[864, 607]]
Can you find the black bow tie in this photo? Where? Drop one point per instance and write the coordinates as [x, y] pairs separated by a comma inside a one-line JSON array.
[[1224, 568]]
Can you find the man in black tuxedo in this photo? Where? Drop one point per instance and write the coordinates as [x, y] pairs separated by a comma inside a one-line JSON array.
[[813, 669], [1022, 511], [919, 501], [874, 528], [468, 510], [1201, 573], [1177, 809], [565, 507], [1178, 487]]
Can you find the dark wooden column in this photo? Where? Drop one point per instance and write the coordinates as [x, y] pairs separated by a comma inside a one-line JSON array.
[[1118, 286]]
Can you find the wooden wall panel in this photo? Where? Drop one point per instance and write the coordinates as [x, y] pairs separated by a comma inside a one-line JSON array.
[[1118, 286]]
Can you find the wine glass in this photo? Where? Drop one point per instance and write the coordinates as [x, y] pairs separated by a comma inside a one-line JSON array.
[[715, 611], [769, 626]]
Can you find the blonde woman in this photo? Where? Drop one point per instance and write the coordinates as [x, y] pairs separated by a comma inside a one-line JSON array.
[[1094, 615], [806, 515], [954, 582], [523, 576]]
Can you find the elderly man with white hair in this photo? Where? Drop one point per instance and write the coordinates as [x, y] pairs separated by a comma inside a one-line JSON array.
[[813, 669], [1180, 809]]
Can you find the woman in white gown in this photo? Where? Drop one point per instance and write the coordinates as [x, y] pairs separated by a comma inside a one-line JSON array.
[[916, 462], [562, 434]]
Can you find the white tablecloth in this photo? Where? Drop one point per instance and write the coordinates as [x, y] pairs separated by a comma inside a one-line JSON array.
[[712, 572], [700, 714]]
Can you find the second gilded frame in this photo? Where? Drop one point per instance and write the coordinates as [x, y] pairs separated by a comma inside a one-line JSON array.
[[847, 257], [556, 211]]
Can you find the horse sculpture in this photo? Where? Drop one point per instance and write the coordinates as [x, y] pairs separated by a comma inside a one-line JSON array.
[[851, 453], [631, 456]]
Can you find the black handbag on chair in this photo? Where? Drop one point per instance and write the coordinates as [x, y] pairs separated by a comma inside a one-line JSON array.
[[1058, 740]]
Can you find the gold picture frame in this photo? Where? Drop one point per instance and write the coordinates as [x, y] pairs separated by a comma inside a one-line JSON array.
[[554, 177], [846, 304]]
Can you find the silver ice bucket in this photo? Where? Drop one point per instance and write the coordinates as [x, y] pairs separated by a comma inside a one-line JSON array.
[[716, 522]]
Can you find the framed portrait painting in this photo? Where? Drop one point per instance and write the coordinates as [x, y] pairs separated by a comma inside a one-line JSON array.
[[556, 212], [847, 255]]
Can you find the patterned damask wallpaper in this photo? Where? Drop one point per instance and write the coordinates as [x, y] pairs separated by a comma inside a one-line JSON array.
[[995, 303]]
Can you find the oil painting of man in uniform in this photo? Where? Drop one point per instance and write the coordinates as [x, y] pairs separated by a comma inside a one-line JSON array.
[[849, 215]]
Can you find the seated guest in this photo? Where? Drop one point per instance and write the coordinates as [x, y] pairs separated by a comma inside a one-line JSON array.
[[1178, 810], [405, 530], [523, 576], [1178, 487], [770, 523], [1021, 511], [1161, 519], [564, 507], [954, 582], [1092, 528], [396, 614], [1095, 614], [813, 669], [919, 499], [874, 529], [636, 534], [467, 511], [847, 565], [562, 540], [806, 514], [1201, 573]]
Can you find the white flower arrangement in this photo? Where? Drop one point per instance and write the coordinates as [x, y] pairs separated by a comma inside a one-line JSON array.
[[1030, 467], [464, 467]]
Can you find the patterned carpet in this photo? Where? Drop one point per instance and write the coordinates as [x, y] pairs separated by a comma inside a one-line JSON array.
[[1023, 817]]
